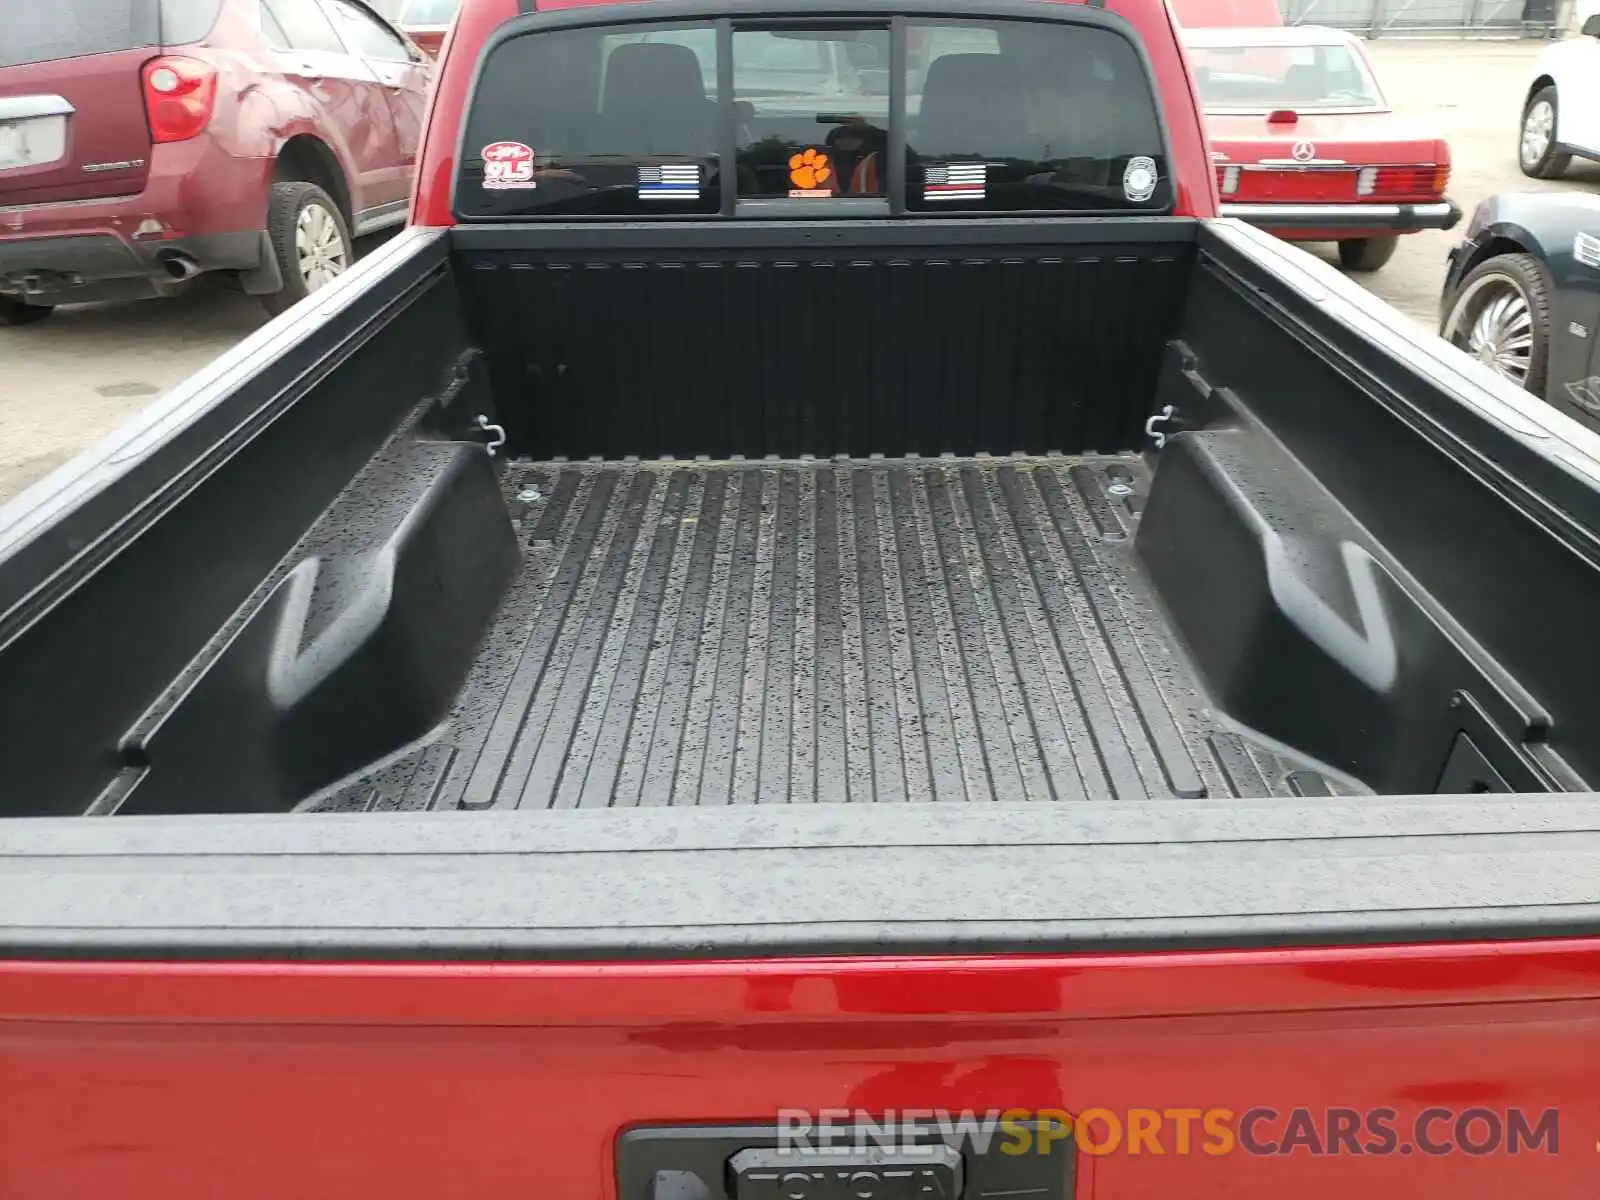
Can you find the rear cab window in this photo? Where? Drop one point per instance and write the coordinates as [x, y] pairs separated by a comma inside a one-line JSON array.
[[902, 115]]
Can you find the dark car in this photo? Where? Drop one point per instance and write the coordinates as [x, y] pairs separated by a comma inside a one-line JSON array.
[[1522, 295], [143, 144]]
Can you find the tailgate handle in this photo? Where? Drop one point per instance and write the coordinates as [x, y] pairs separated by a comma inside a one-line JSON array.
[[821, 1174], [1033, 1158]]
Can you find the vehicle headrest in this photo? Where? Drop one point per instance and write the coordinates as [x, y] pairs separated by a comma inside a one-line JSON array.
[[655, 102], [641, 76], [1304, 81], [969, 103]]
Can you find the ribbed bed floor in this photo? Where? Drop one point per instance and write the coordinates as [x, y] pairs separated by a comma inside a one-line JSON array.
[[701, 633]]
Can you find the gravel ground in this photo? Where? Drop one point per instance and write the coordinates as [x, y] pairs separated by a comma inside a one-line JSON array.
[[69, 381]]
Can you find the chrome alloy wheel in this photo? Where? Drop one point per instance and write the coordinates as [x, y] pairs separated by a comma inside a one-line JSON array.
[[319, 247], [1538, 128], [1493, 321]]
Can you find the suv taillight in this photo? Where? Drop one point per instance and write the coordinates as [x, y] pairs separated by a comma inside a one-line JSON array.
[[179, 94]]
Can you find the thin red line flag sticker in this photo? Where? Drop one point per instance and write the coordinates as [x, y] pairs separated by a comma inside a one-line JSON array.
[[955, 181]]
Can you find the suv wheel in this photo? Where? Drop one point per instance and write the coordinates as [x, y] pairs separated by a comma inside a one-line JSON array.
[[15, 312], [311, 240], [1501, 316], [1536, 148]]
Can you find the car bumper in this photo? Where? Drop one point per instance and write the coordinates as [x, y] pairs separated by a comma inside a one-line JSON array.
[[1455, 269], [78, 269], [201, 209], [1367, 218]]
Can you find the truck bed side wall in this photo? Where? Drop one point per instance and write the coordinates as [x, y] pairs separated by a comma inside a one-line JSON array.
[[1363, 566], [108, 614]]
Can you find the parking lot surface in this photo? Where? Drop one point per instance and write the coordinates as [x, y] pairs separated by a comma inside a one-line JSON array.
[[67, 382]]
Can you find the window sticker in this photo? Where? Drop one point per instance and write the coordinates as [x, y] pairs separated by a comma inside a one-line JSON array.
[[955, 181], [1139, 178], [809, 173], [670, 181], [507, 165]]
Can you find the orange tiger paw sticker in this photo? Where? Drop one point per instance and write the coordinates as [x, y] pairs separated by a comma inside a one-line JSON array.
[[809, 169]]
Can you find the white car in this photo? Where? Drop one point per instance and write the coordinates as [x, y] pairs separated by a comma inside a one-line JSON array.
[[1561, 114]]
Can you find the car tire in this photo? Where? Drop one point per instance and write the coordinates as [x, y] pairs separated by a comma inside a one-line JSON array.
[[310, 239], [1366, 254], [1536, 138], [15, 312], [1500, 342]]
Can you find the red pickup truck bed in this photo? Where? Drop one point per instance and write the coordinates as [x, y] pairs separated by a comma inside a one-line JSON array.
[[789, 515]]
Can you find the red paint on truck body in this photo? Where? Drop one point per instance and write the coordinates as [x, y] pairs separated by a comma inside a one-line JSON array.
[[156, 1081]]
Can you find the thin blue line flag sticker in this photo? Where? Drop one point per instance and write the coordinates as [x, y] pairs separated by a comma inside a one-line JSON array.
[[671, 181]]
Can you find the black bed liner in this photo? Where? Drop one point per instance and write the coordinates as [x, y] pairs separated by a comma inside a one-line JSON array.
[[386, 633], [705, 633]]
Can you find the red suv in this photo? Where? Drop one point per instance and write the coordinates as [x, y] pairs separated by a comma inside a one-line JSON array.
[[144, 142]]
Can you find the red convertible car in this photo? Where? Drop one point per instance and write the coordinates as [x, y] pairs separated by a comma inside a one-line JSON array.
[[1306, 146]]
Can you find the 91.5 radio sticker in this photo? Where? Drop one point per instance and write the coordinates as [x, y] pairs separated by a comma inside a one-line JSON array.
[[507, 165]]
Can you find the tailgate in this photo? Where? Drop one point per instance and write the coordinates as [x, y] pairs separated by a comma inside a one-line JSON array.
[[647, 1004], [72, 118]]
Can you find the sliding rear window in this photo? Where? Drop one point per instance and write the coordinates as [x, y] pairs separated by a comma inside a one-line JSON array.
[[995, 116]]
